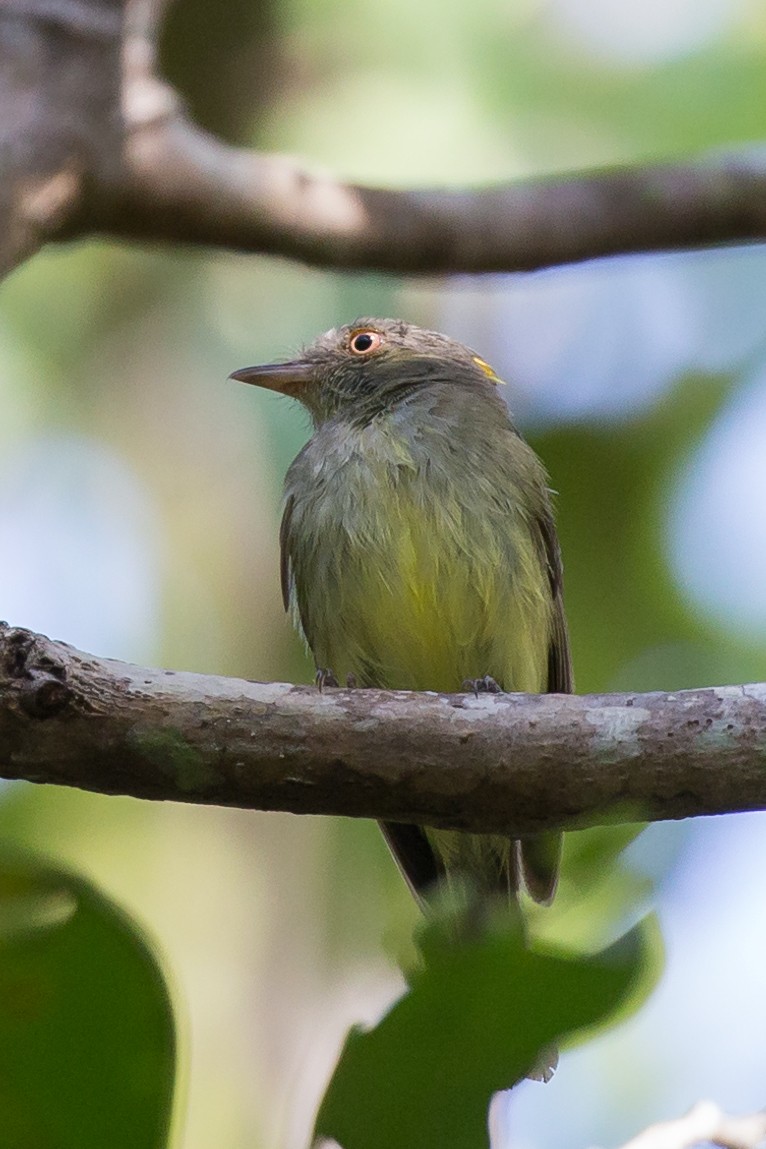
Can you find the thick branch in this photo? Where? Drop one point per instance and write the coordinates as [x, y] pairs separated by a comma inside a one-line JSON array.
[[512, 763], [86, 147], [183, 185], [60, 124]]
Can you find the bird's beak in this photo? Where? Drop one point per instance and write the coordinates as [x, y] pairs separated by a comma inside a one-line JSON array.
[[287, 378]]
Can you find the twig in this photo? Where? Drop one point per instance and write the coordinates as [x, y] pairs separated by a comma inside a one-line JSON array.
[[704, 1123]]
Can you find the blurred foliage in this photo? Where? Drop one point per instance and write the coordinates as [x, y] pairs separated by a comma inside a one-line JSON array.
[[599, 895], [139, 509], [477, 93], [87, 1046], [475, 1020], [627, 600]]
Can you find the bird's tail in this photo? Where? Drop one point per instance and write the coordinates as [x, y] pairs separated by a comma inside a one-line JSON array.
[[537, 862]]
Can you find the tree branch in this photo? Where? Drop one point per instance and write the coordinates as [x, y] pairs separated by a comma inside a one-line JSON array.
[[88, 146], [59, 94], [510, 763], [182, 185], [704, 1124]]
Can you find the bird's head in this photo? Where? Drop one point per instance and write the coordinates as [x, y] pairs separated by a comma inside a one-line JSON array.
[[369, 366]]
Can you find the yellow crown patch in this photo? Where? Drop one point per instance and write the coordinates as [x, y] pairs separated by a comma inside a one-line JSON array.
[[488, 371]]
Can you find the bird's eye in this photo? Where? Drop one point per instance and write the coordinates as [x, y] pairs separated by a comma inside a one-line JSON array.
[[364, 342]]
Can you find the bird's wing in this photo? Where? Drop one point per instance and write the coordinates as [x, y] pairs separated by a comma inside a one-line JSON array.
[[290, 597], [285, 571], [414, 856], [539, 856], [560, 677]]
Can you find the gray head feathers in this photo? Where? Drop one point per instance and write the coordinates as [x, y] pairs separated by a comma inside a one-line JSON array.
[[371, 365]]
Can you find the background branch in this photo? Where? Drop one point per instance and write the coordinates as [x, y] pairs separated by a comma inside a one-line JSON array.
[[513, 763], [704, 1124], [183, 185], [60, 127], [88, 148]]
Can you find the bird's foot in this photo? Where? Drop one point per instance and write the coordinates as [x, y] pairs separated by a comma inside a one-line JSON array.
[[325, 677], [485, 685]]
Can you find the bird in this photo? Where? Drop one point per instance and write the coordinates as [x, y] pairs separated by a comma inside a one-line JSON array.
[[419, 552]]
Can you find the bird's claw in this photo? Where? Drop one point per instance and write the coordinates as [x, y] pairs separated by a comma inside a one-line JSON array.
[[485, 685], [325, 677]]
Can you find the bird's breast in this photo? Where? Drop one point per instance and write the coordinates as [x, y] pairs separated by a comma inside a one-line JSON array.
[[409, 573]]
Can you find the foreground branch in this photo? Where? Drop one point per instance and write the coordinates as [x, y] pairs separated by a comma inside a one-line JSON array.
[[512, 763], [704, 1124]]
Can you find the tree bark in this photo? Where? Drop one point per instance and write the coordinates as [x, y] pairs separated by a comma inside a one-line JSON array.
[[498, 763], [60, 88], [185, 186]]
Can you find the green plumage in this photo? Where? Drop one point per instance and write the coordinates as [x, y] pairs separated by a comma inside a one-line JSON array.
[[418, 549]]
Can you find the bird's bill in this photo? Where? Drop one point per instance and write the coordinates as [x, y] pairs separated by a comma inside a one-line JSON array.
[[287, 378]]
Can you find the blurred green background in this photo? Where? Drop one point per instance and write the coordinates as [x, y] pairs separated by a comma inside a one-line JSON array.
[[139, 510]]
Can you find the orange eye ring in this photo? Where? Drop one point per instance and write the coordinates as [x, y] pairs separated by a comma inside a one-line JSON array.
[[363, 343]]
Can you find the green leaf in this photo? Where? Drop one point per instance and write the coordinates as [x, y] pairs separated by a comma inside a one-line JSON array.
[[87, 1046], [473, 1022]]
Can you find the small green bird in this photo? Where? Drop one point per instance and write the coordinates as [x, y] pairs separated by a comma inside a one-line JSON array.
[[419, 551]]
